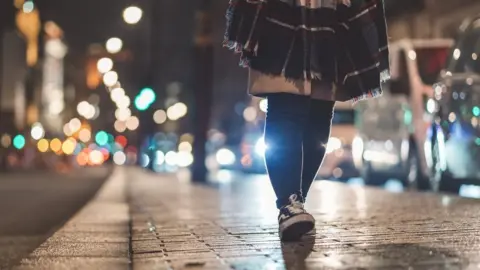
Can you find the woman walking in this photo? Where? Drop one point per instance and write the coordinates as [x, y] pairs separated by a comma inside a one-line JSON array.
[[303, 56]]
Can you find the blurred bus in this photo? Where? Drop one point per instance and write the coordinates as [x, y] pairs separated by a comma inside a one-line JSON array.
[[392, 128]]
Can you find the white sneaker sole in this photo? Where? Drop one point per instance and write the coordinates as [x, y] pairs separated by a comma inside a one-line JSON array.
[[295, 227]]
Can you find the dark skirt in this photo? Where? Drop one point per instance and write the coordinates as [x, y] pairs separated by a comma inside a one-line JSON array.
[[344, 45]]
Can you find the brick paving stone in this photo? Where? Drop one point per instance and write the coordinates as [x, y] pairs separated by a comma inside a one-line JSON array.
[[357, 228]]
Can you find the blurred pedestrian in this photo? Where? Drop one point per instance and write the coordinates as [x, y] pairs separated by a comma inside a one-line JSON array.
[[303, 56]]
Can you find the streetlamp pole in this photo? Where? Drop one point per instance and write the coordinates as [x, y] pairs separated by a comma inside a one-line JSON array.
[[147, 126], [203, 94]]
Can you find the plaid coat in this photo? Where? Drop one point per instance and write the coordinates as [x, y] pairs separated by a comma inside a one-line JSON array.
[[328, 49]]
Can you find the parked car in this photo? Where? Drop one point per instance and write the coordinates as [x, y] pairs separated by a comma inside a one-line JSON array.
[[453, 140], [392, 128]]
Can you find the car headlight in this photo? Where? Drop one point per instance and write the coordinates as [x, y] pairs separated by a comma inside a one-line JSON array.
[[225, 157], [333, 145], [260, 147]]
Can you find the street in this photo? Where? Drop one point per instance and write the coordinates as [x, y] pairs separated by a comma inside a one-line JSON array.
[[33, 205], [141, 220]]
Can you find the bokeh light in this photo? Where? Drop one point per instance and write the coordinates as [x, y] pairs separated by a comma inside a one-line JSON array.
[[120, 126], [117, 93], [74, 125], [85, 135], [122, 141], [119, 158], [19, 141], [123, 114], [37, 132], [96, 157], [68, 146], [43, 145], [110, 78], [28, 6], [476, 111], [250, 114], [133, 123], [132, 15], [6, 140], [184, 159], [171, 158], [56, 145], [82, 158], [101, 138], [104, 65], [160, 117], [177, 111], [123, 102], [185, 147], [114, 45]]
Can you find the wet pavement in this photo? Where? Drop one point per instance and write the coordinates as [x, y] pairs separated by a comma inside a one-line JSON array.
[[146, 221]]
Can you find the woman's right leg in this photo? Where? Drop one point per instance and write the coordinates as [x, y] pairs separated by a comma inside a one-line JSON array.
[[287, 117]]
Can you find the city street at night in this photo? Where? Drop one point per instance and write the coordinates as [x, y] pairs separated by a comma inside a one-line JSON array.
[[239, 134]]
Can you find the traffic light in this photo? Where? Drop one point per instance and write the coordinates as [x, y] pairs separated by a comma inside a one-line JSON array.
[[145, 99]]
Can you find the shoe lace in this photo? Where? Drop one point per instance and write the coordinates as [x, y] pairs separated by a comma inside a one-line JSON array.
[[295, 206]]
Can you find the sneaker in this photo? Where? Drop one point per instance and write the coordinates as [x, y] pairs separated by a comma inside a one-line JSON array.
[[294, 222]]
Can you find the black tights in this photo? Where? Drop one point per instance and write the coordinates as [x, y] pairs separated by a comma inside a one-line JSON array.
[[297, 130]]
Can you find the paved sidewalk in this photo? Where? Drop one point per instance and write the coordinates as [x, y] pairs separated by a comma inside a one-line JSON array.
[[97, 237], [182, 226], [145, 221]]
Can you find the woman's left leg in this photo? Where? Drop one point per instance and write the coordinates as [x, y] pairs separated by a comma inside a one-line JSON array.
[[315, 139]]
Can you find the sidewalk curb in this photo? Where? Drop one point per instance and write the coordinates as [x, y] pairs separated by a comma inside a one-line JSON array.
[[97, 237]]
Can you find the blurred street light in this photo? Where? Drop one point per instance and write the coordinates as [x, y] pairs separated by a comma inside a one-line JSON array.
[[110, 78], [132, 15], [123, 102], [160, 117], [82, 107], [177, 111], [116, 94], [120, 126], [101, 138], [6, 140], [114, 45], [133, 123], [84, 135], [74, 125], [43, 145], [123, 114], [144, 99], [250, 114], [37, 132], [19, 142], [28, 6], [56, 145], [104, 65]]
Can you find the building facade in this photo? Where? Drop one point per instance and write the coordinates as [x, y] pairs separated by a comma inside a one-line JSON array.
[[436, 19]]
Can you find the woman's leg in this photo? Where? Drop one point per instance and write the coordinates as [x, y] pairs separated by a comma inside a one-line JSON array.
[[315, 138], [287, 117]]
